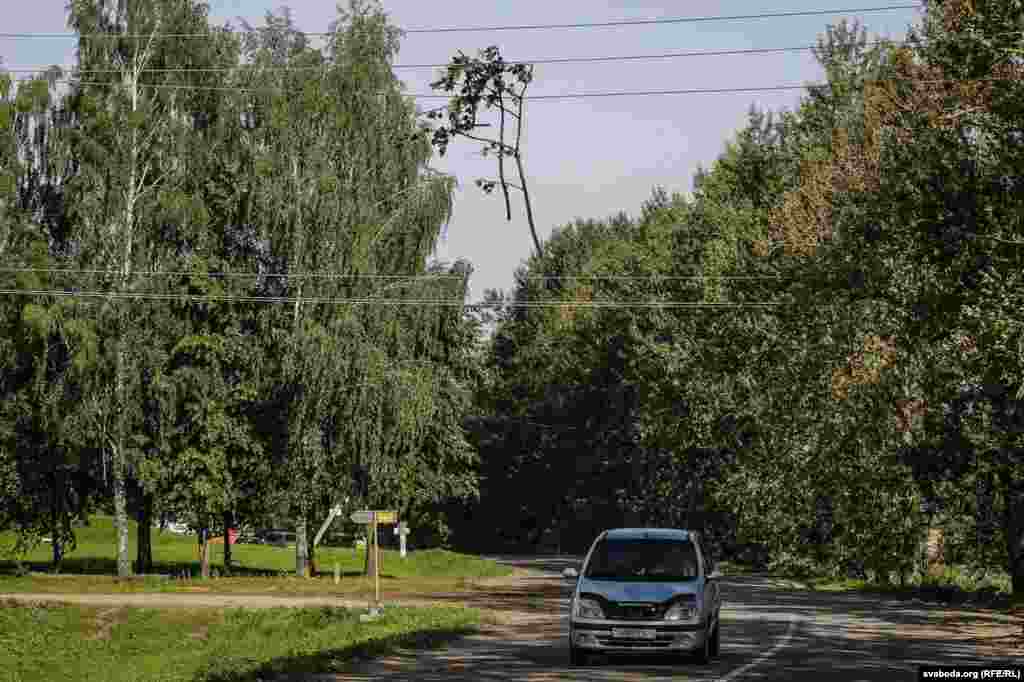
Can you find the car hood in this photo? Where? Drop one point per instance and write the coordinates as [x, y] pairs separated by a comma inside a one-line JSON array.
[[639, 591]]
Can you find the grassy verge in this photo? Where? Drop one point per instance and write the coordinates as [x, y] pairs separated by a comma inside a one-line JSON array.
[[351, 586], [955, 585], [90, 567], [58, 643]]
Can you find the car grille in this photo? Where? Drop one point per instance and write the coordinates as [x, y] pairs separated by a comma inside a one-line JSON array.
[[634, 611], [663, 640]]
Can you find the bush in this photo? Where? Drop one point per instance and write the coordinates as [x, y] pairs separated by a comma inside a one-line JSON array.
[[794, 565]]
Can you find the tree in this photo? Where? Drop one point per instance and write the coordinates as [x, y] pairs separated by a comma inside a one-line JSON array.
[[344, 188], [130, 135], [490, 82], [921, 231], [49, 346]]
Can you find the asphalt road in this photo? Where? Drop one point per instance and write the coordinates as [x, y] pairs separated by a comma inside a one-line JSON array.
[[769, 632]]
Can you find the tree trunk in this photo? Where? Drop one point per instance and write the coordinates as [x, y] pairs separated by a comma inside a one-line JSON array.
[[118, 464], [301, 547], [1014, 528], [144, 535], [55, 518], [311, 549], [204, 552], [529, 206], [124, 567], [227, 542], [124, 563]]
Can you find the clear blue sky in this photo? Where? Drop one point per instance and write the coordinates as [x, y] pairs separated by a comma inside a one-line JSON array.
[[584, 158]]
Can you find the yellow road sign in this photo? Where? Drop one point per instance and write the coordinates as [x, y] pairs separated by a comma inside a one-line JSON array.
[[386, 516]]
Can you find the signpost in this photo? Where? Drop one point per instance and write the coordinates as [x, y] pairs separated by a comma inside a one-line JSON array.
[[372, 518]]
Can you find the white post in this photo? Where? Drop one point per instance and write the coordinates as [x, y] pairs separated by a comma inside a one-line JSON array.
[[402, 531], [376, 567]]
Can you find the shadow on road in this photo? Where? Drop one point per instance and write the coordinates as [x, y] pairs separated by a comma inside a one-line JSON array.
[[231, 669], [768, 633]]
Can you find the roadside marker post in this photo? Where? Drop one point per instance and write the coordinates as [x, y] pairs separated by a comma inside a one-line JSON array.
[[376, 568], [401, 530], [371, 518]]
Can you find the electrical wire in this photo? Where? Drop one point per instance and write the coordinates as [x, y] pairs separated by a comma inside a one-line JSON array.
[[383, 301], [411, 278], [522, 62], [521, 27], [577, 95], [225, 274], [553, 97]]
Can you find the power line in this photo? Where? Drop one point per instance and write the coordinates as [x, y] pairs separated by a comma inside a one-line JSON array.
[[254, 275], [560, 96], [521, 27], [575, 95], [383, 301], [631, 278], [410, 278], [524, 62]]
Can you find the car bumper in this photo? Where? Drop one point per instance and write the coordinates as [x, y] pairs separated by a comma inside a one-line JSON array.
[[669, 639]]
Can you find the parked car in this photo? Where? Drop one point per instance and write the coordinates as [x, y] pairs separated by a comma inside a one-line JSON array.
[[276, 537], [246, 536], [644, 591]]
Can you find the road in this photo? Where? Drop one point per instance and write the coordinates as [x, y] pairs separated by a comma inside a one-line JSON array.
[[769, 632]]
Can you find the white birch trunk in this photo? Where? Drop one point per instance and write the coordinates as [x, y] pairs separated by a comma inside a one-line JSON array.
[[127, 237]]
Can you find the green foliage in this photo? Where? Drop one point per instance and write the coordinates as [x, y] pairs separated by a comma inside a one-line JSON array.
[[220, 406], [884, 236]]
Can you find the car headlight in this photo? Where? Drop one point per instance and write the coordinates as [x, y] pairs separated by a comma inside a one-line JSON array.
[[683, 611], [588, 608]]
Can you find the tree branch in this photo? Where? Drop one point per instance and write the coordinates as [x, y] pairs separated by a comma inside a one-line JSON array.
[[501, 166], [522, 173], [510, 184], [508, 111], [487, 141]]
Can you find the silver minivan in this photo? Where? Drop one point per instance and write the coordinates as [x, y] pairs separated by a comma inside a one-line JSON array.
[[644, 591]]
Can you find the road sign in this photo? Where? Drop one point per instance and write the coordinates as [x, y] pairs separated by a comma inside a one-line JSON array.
[[371, 516], [361, 517]]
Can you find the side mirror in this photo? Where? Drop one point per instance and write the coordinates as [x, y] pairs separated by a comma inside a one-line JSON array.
[[570, 573]]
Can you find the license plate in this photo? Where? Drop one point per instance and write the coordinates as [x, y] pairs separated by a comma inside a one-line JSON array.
[[630, 633]]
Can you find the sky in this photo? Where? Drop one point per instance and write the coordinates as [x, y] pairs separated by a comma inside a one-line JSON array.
[[587, 158]]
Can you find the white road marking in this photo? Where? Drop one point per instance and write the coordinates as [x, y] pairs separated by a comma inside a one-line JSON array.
[[781, 644]]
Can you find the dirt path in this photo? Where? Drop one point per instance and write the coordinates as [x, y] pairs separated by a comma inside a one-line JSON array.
[[500, 594]]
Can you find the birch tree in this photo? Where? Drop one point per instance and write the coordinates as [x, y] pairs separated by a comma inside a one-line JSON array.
[[132, 125], [343, 189]]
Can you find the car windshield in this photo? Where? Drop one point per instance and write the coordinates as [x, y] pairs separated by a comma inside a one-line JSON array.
[[643, 560]]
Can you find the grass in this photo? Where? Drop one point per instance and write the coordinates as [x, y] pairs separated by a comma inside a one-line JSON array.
[[91, 567], [955, 584], [58, 643]]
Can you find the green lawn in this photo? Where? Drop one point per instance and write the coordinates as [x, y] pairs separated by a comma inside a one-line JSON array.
[[259, 568], [57, 643]]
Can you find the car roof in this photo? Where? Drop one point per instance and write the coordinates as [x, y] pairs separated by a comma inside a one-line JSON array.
[[648, 533]]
